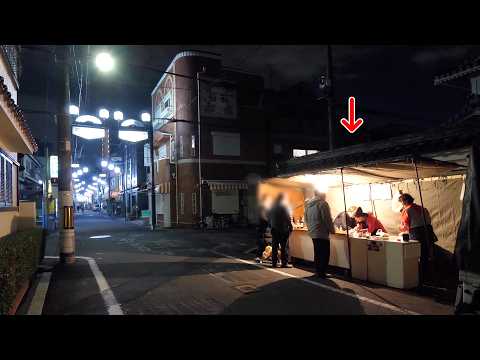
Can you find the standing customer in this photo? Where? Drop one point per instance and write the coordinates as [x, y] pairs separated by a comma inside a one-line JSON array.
[[281, 229], [320, 226]]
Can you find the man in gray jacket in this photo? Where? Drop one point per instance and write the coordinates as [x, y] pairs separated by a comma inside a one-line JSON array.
[[320, 226]]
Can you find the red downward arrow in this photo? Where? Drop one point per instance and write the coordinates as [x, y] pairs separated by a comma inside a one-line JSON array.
[[351, 124]]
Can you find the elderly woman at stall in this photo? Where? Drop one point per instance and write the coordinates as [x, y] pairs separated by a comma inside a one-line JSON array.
[[367, 222]]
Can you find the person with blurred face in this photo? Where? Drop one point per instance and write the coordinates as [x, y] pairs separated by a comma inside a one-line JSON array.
[[367, 221], [320, 226], [281, 229]]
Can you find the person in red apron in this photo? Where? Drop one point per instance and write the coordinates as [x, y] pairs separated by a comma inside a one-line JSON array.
[[367, 221], [413, 223]]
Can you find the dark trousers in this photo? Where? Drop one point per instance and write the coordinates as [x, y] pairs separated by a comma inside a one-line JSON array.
[[424, 238], [321, 255], [279, 238]]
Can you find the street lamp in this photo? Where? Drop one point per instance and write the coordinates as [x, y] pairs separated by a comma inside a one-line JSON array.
[[145, 117], [104, 62], [117, 170], [103, 114], [111, 167], [104, 163], [118, 115], [74, 110], [85, 170]]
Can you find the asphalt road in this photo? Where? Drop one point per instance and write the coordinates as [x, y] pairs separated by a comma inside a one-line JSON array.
[[127, 269]]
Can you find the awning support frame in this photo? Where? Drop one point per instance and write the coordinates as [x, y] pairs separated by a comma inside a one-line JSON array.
[[349, 272], [422, 276]]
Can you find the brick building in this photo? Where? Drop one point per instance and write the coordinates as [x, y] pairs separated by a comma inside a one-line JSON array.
[[242, 134]]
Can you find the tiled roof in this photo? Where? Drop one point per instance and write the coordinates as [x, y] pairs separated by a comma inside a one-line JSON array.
[[17, 113], [402, 147], [462, 70]]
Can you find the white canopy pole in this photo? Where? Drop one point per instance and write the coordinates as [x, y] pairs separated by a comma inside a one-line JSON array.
[[346, 223]]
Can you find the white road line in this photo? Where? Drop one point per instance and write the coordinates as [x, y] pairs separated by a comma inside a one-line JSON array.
[[38, 300], [326, 287], [113, 307]]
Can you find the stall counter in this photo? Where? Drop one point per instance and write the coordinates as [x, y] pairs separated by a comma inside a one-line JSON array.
[[301, 247], [382, 261]]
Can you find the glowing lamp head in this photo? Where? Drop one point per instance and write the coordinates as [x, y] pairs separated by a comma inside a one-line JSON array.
[[73, 110], [104, 163], [118, 115], [104, 62], [117, 170], [103, 114], [111, 167], [85, 170], [145, 117]]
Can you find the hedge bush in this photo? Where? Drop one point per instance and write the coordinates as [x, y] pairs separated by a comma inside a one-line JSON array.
[[19, 258]]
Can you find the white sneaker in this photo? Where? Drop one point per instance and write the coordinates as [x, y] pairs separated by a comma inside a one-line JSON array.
[[258, 260]]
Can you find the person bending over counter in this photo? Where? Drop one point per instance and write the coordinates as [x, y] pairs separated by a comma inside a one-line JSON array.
[[367, 221]]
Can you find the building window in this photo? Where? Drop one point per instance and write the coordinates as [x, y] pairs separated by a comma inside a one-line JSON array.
[[303, 152], [6, 185], [194, 203], [226, 144], [182, 203]]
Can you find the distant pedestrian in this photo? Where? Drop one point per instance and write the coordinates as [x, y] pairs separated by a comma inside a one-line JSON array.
[[281, 229], [320, 226]]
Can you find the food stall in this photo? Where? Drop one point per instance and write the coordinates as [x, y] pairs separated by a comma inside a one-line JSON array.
[[384, 258]]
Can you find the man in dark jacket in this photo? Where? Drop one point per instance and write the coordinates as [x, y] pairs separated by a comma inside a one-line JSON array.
[[320, 226], [281, 229]]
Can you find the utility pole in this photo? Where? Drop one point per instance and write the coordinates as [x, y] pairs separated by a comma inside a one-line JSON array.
[[153, 214], [66, 228], [200, 200], [329, 86]]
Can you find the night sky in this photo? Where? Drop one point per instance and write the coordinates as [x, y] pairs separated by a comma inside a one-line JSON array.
[[394, 80]]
